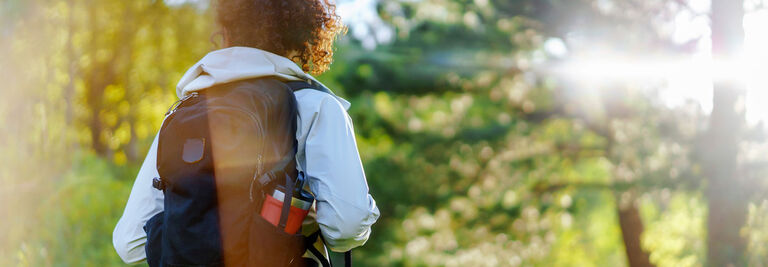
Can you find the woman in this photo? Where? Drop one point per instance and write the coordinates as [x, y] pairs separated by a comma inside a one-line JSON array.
[[276, 39]]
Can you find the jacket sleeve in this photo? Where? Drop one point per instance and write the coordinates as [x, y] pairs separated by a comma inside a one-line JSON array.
[[144, 202], [345, 210]]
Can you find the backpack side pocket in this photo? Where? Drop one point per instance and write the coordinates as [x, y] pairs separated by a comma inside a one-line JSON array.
[[153, 247], [272, 246]]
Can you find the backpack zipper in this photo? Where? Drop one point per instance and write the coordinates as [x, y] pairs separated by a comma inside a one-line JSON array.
[[178, 103]]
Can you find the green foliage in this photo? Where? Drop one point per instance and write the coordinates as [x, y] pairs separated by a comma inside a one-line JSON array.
[[72, 226], [675, 233]]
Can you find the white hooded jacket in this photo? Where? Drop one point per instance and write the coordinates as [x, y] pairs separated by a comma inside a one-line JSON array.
[[327, 153]]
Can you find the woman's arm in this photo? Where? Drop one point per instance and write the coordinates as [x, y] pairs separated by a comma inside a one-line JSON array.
[[143, 203], [345, 210]]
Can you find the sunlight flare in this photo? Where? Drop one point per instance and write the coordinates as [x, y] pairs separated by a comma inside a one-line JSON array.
[[686, 78]]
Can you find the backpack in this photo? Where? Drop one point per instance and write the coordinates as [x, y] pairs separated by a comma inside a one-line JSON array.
[[219, 152]]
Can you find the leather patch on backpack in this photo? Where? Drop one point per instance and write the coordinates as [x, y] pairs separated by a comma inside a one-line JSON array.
[[193, 151]]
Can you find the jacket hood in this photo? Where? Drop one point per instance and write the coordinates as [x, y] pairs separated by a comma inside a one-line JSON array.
[[241, 63]]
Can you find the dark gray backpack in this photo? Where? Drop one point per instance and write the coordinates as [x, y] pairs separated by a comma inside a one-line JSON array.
[[219, 151]]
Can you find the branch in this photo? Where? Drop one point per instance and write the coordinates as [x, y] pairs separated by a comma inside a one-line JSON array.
[[543, 187]]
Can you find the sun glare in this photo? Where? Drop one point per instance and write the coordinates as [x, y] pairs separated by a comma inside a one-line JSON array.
[[756, 52], [687, 78]]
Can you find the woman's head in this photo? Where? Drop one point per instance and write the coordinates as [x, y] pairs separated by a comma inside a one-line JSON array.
[[303, 30]]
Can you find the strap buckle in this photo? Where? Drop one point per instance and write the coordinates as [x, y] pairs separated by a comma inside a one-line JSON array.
[[158, 183]]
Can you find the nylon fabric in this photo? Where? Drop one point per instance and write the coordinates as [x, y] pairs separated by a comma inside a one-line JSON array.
[[210, 215]]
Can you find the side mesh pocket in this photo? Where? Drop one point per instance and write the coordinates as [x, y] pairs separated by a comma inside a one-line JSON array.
[[153, 247]]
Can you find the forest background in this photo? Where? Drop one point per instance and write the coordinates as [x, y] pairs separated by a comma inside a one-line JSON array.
[[493, 132]]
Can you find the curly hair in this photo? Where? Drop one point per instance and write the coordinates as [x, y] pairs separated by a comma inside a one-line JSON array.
[[282, 27]]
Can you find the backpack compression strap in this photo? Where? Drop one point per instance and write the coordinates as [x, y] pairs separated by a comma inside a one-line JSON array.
[[295, 86]]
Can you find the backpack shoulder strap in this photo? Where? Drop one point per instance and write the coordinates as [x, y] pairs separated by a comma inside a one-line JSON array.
[[347, 254], [298, 85], [348, 258], [310, 243]]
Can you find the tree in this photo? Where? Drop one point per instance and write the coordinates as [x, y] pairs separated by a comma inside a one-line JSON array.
[[725, 191], [451, 51]]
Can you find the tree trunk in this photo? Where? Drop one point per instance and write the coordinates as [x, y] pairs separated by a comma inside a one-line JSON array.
[[97, 82], [725, 192], [631, 231], [69, 89], [630, 222]]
